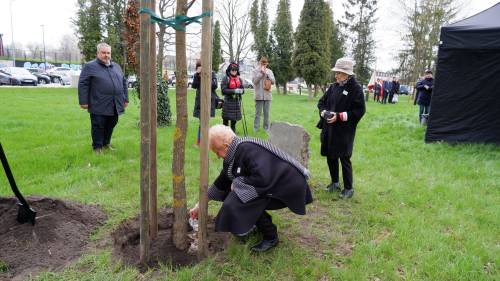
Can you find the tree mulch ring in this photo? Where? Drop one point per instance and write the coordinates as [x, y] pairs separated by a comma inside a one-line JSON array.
[[59, 236], [162, 250]]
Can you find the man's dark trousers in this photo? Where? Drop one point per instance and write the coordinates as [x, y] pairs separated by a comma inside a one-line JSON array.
[[102, 129]]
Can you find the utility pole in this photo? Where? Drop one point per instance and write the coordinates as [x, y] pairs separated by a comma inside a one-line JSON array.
[[12, 35], [44, 56]]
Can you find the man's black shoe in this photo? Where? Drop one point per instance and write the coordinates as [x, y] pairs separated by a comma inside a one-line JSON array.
[[265, 245], [333, 187], [346, 193]]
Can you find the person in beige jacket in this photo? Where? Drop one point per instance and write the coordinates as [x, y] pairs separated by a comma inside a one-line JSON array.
[[262, 97]]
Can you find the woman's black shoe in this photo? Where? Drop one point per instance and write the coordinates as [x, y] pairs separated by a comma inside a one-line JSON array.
[[346, 193], [333, 187], [265, 245]]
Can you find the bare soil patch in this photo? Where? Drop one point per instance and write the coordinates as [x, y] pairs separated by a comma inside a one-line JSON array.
[[162, 250], [59, 236]]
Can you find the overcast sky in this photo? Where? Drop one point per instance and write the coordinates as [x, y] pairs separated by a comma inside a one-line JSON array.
[[56, 15]]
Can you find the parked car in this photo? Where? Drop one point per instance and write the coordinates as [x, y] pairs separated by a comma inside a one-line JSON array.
[[247, 83], [64, 72], [132, 81], [43, 78], [17, 76], [403, 90], [190, 77]]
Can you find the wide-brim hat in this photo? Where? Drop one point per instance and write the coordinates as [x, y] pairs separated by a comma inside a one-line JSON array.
[[344, 65]]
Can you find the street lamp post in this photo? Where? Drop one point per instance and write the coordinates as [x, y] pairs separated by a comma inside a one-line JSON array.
[[12, 35], [43, 40]]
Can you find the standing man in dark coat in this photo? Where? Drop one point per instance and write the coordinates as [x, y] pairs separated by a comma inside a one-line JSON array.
[[341, 108], [424, 93], [102, 90], [214, 98], [232, 89], [394, 89], [256, 176]]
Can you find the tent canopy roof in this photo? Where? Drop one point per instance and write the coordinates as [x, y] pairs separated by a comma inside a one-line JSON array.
[[480, 31]]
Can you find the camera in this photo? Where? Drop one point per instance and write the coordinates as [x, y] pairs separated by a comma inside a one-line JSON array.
[[328, 115]]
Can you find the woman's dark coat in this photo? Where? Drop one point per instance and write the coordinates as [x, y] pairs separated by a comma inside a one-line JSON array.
[[214, 98], [263, 178], [231, 109], [337, 138]]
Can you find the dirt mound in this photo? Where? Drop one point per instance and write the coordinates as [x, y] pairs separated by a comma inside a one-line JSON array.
[[162, 250], [60, 234]]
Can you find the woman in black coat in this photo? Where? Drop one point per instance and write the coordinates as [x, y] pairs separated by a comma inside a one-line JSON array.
[[232, 89], [214, 97], [341, 108], [256, 176]]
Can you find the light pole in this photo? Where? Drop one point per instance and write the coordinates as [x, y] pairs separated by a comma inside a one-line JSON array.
[[12, 34], [43, 40]]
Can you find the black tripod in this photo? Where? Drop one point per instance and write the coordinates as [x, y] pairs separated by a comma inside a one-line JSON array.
[[240, 101]]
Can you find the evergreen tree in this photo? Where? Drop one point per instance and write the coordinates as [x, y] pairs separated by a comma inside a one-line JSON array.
[[88, 27], [359, 28], [114, 22], [216, 48], [282, 51], [312, 41], [259, 25]]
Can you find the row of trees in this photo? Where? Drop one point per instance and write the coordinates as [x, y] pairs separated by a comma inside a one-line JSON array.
[[423, 20], [311, 51], [66, 50], [291, 54]]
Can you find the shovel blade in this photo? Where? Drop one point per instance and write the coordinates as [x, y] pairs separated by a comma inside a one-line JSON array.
[[25, 214]]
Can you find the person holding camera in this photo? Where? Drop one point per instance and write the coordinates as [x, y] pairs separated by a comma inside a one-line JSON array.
[[232, 89], [341, 108], [262, 79], [424, 93], [215, 100]]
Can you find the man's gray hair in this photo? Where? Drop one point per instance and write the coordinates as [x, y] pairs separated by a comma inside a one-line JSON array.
[[222, 133], [102, 45]]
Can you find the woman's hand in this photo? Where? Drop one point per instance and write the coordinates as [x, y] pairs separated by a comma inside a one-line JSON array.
[[193, 213]]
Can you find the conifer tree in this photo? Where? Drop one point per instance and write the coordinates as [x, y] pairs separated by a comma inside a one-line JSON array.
[[88, 27], [216, 48], [311, 58], [282, 52], [358, 24]]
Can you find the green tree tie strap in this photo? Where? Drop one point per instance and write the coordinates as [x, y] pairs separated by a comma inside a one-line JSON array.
[[178, 22]]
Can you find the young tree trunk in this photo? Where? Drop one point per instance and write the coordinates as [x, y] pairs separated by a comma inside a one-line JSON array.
[[161, 47], [316, 90], [178, 178], [309, 92], [278, 89], [284, 90]]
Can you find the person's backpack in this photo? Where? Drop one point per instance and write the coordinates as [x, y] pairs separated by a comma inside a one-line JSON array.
[[267, 84]]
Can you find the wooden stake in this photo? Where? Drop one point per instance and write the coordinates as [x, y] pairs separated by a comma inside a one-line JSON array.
[[205, 105], [145, 133], [153, 196]]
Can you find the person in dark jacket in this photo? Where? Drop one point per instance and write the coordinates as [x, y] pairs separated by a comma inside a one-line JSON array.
[[394, 89], [214, 98], [256, 176], [232, 89], [424, 94], [340, 108], [377, 89], [102, 90]]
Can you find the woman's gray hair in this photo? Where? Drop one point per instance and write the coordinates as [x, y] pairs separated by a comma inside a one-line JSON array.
[[102, 45], [220, 133]]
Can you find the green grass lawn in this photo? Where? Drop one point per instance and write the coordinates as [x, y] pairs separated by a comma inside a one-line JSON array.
[[420, 211]]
